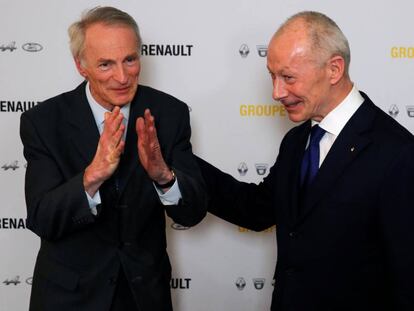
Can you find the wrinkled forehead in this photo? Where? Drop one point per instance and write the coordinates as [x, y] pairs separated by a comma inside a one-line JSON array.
[[100, 28], [110, 37]]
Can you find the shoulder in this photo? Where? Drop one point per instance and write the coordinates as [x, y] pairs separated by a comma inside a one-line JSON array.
[[159, 99], [386, 129], [55, 106]]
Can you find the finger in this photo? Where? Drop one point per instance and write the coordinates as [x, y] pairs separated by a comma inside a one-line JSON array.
[[117, 122], [119, 149], [107, 115], [152, 134], [142, 132], [147, 113], [117, 137], [114, 157], [150, 125], [116, 110], [149, 118], [113, 123], [111, 115]]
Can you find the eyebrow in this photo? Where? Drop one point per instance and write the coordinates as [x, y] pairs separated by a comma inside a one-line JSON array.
[[108, 60], [105, 60], [132, 55]]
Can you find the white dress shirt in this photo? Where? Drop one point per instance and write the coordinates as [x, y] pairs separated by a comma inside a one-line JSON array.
[[171, 197], [334, 121]]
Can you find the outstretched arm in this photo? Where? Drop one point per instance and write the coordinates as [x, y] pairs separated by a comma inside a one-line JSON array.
[[243, 204]]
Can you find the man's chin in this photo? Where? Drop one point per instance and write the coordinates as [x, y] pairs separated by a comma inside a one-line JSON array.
[[120, 104], [121, 101], [295, 117]]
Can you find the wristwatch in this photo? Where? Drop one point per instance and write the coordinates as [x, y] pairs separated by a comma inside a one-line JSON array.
[[168, 184]]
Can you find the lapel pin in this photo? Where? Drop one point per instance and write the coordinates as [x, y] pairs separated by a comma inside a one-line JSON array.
[[352, 149]]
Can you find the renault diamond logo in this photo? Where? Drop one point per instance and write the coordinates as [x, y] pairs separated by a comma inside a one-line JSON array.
[[242, 169], [244, 50], [261, 168], [393, 111], [259, 283], [240, 283], [262, 50]]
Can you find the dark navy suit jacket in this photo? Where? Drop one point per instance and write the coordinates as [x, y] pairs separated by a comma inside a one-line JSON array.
[[349, 243]]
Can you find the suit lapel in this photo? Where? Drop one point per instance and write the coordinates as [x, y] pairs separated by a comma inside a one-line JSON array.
[[297, 152], [352, 140], [82, 127]]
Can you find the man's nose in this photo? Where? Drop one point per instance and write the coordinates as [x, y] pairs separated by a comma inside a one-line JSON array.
[[279, 89], [120, 74]]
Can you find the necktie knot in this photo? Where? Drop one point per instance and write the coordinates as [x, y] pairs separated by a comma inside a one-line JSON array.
[[316, 135]]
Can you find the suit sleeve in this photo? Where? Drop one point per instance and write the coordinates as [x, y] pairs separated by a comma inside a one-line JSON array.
[[397, 224], [192, 207], [56, 205], [243, 204]]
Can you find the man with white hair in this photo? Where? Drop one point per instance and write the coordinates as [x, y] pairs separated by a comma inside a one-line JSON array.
[[105, 162], [340, 191]]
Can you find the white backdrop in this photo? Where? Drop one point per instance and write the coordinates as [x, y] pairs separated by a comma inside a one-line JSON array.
[[235, 122]]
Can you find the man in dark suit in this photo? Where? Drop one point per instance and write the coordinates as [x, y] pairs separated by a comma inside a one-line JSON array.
[[105, 162], [340, 197]]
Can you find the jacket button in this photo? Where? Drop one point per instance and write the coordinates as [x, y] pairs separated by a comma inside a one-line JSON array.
[[293, 234]]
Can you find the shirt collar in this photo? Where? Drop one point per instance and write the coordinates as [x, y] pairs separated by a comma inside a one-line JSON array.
[[99, 111], [335, 120]]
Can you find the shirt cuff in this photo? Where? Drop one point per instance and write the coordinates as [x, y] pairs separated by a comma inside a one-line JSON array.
[[93, 202], [172, 196]]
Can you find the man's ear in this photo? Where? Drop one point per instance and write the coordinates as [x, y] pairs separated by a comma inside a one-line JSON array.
[[336, 67], [80, 67]]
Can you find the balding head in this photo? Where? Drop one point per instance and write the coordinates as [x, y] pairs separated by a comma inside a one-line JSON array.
[[324, 38]]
